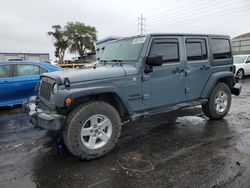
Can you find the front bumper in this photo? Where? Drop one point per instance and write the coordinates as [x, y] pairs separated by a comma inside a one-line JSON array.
[[42, 117]]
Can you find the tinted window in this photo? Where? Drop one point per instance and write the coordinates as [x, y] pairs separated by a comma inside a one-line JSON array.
[[196, 49], [169, 50], [5, 71], [248, 59], [27, 70], [221, 49], [43, 70]]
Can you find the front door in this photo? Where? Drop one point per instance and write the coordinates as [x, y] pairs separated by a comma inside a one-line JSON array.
[[197, 66], [6, 85], [165, 84]]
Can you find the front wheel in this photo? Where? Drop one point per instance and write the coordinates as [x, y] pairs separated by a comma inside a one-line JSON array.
[[219, 102], [92, 130]]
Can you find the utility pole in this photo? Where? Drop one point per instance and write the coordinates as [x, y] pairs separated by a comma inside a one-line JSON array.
[[142, 24]]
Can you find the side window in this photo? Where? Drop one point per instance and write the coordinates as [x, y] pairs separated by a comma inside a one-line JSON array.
[[196, 49], [248, 59], [5, 71], [43, 70], [27, 70], [169, 49], [221, 48]]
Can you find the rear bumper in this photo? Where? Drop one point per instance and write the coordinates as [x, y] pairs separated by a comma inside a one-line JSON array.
[[41, 117]]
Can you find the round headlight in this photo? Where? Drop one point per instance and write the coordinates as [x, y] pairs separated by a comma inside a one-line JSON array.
[[54, 88]]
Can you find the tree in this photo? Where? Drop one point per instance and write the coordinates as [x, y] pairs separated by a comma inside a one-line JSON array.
[[60, 41], [81, 37]]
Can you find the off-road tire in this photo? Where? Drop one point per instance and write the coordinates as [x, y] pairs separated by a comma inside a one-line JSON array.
[[209, 108], [75, 121]]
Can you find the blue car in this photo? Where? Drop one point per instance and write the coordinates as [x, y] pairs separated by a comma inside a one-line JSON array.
[[18, 80]]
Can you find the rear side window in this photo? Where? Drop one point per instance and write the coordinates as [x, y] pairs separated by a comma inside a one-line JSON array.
[[27, 70], [5, 71], [196, 49], [221, 49], [43, 70], [168, 49]]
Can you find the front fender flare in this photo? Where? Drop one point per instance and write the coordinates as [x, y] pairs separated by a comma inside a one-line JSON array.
[[61, 95]]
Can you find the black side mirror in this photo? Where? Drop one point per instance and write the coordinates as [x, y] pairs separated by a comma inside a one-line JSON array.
[[154, 60], [247, 61]]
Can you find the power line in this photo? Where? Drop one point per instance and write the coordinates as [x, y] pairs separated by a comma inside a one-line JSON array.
[[181, 15], [163, 6], [189, 11], [192, 12], [187, 18], [126, 26], [188, 21], [178, 9]]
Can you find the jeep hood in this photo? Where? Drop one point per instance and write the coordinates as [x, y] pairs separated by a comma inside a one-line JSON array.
[[80, 75]]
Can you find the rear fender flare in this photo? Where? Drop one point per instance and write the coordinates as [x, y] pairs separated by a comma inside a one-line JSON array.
[[213, 79]]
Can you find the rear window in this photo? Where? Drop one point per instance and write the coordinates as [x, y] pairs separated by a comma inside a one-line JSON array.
[[221, 49], [27, 70], [5, 71], [43, 70]]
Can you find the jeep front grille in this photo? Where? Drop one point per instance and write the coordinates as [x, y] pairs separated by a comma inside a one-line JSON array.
[[46, 88]]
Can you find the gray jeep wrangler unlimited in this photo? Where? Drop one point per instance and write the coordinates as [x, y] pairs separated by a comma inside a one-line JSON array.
[[136, 77]]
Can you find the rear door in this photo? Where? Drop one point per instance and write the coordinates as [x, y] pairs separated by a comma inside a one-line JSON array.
[[6, 84], [197, 66], [26, 77]]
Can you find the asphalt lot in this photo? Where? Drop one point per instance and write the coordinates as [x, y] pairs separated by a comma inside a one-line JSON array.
[[178, 149]]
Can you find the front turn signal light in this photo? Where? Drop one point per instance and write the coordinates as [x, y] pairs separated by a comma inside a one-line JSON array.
[[68, 100]]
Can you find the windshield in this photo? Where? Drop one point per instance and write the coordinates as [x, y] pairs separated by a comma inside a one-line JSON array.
[[123, 50], [239, 59]]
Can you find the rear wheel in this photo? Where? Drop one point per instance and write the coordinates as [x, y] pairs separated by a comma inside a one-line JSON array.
[[219, 102], [240, 73], [92, 130]]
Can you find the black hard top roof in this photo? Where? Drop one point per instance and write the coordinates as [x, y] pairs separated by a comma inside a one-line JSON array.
[[188, 34], [180, 34]]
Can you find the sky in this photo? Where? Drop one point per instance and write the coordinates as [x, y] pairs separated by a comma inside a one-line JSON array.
[[24, 23]]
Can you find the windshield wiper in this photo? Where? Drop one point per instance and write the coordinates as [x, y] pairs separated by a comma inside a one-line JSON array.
[[116, 60], [104, 61]]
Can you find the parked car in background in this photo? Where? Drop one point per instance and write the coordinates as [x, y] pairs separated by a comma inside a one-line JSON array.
[[52, 62], [242, 63], [18, 80]]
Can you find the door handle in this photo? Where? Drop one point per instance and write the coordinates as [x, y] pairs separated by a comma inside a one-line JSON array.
[[205, 67], [178, 70], [4, 82]]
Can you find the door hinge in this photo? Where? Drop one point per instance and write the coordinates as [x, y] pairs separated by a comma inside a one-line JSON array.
[[187, 73], [187, 90]]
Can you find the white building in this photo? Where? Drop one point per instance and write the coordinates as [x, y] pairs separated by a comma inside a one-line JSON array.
[[24, 56], [241, 44]]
